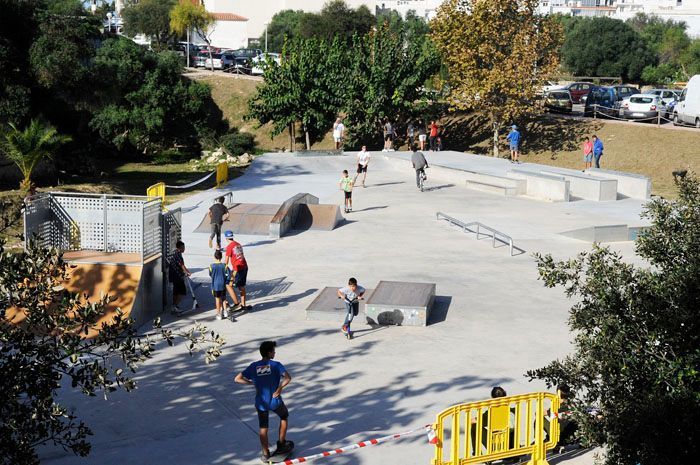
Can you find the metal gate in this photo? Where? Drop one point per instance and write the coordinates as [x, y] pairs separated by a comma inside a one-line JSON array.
[[171, 224]]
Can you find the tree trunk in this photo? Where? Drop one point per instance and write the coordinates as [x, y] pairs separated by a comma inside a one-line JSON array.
[[291, 138], [308, 144], [495, 134]]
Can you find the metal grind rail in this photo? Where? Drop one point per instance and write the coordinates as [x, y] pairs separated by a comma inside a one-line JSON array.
[[477, 228]]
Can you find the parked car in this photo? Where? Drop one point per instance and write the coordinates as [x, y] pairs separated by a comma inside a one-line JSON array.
[[220, 60], [200, 59], [666, 95], [547, 86], [558, 100], [642, 106], [258, 61], [244, 59], [624, 91], [602, 101], [578, 90], [687, 109]]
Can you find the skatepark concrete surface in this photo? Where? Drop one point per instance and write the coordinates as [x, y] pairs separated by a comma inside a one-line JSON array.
[[492, 321]]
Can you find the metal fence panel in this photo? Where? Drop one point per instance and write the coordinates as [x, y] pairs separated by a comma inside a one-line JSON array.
[[152, 242]]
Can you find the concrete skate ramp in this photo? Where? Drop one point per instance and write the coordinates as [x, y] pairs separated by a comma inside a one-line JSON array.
[[94, 280], [245, 218], [400, 303], [605, 233], [322, 217], [286, 217]]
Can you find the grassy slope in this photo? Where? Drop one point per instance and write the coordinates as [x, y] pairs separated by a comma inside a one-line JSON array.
[[638, 148]]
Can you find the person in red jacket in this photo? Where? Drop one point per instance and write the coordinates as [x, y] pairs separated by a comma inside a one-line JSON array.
[[235, 260]]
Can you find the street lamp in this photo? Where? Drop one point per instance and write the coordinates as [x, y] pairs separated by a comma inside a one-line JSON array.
[[266, 25], [109, 21]]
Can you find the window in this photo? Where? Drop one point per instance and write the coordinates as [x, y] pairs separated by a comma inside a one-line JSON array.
[[642, 99]]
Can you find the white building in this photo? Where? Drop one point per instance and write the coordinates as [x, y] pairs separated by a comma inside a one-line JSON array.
[[687, 11]]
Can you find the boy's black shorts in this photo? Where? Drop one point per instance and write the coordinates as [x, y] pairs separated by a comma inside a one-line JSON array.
[[264, 417], [219, 294], [179, 286], [348, 194], [361, 168]]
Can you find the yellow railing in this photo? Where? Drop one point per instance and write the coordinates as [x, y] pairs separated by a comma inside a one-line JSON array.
[[157, 190], [498, 428], [221, 174]]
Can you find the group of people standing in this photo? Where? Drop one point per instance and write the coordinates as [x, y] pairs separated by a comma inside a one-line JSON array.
[[417, 132], [346, 183], [592, 150]]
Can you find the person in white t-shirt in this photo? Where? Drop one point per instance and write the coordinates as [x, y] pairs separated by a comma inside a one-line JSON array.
[[363, 158], [338, 133]]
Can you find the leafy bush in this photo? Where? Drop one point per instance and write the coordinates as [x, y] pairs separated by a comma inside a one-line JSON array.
[[172, 156], [237, 143]]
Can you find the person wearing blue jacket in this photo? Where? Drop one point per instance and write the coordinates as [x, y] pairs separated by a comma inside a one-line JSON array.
[[514, 142], [597, 150]]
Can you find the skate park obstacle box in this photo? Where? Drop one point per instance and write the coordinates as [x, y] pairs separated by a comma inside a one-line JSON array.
[[116, 244]]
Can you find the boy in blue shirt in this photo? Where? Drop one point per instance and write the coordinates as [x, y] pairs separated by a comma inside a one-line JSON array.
[[269, 378], [514, 141], [220, 276]]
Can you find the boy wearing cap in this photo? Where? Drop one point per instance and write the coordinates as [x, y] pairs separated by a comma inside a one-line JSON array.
[[514, 141], [235, 260]]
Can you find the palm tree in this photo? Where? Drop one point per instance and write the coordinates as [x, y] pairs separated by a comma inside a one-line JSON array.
[[27, 147]]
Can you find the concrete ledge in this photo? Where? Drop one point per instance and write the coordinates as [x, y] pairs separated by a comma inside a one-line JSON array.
[[505, 191], [328, 307], [400, 303], [543, 186], [588, 187], [636, 186], [287, 214]]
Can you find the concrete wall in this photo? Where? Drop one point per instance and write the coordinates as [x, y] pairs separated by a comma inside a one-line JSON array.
[[588, 187], [542, 186], [148, 302], [632, 185], [229, 34], [287, 214]]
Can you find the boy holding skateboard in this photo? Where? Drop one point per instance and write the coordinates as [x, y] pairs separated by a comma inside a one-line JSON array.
[[220, 277], [351, 295], [178, 273], [269, 378]]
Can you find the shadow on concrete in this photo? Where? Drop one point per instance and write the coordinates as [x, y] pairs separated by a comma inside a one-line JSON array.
[[437, 188], [381, 207], [386, 184], [262, 242], [283, 302], [568, 455], [365, 332], [441, 305]]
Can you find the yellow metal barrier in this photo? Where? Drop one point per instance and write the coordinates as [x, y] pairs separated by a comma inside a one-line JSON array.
[[498, 428], [221, 174], [157, 190]]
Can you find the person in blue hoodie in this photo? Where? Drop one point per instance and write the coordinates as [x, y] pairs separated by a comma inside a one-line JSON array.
[[597, 150], [514, 142]]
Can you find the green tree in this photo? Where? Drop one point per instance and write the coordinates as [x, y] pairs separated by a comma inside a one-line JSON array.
[[146, 103], [304, 89], [29, 146], [601, 46], [284, 25], [337, 19], [690, 59], [386, 71], [151, 18], [44, 352], [186, 16], [637, 338], [496, 53]]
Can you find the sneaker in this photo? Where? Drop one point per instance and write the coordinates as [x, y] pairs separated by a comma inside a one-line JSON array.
[[344, 329], [225, 313], [236, 308], [175, 310], [218, 316], [265, 458], [284, 448]]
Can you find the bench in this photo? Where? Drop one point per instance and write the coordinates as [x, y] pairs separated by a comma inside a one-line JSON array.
[[543, 186], [586, 186]]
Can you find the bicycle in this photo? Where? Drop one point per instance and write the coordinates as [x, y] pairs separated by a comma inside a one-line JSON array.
[[421, 179]]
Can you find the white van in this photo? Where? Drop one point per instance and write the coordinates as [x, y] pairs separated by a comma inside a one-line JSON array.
[[687, 110]]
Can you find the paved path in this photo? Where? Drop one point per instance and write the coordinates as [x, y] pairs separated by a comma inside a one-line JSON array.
[[494, 320]]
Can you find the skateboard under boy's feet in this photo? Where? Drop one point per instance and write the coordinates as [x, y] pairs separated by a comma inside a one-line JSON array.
[[281, 453]]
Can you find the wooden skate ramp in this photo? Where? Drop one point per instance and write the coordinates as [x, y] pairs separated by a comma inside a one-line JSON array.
[[92, 281], [324, 217], [245, 218]]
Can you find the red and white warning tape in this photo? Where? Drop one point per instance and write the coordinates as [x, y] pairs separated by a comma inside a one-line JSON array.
[[358, 445]]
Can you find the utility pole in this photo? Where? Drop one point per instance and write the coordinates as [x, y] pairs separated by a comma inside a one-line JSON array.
[[266, 25]]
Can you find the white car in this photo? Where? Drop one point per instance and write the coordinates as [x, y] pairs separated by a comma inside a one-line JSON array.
[[687, 110], [259, 61], [642, 106], [667, 95]]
